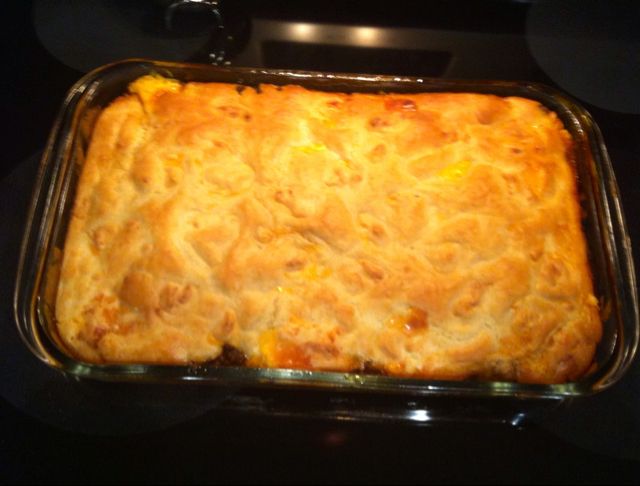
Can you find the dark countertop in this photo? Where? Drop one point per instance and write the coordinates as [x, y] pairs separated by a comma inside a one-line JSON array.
[[57, 429]]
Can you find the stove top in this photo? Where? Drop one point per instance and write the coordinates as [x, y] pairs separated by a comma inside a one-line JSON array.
[[589, 50]]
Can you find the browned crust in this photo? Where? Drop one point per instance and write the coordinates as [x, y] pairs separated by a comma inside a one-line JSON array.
[[434, 235]]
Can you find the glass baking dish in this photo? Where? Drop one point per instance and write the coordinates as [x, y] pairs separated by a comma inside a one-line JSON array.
[[608, 241]]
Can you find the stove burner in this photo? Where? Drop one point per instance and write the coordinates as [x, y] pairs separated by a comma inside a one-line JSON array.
[[590, 49], [85, 35]]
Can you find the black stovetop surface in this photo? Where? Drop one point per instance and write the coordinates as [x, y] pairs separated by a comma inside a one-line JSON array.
[[55, 429]]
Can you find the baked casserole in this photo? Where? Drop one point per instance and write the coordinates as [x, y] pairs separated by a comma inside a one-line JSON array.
[[435, 235]]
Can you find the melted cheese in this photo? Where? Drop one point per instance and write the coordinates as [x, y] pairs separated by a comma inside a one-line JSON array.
[[455, 171]]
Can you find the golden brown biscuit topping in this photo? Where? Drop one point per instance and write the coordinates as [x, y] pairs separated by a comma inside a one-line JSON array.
[[434, 234]]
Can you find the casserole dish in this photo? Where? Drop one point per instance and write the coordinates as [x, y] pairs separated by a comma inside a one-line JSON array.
[[604, 227]]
